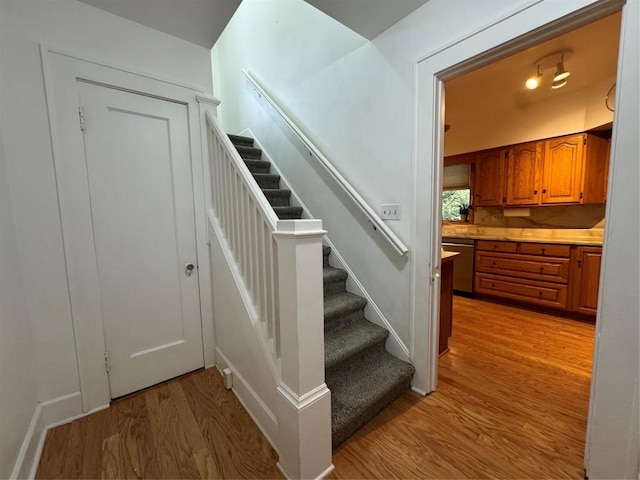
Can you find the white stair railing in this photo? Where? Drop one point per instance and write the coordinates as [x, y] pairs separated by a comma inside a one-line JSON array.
[[280, 262]]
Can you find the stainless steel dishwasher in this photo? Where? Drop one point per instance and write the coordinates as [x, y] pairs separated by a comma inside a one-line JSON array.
[[463, 264]]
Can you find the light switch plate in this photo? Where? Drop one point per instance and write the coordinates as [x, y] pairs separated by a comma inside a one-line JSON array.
[[390, 211]]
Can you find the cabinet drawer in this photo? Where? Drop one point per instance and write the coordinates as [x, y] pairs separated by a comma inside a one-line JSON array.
[[539, 293], [546, 249], [524, 266], [504, 247]]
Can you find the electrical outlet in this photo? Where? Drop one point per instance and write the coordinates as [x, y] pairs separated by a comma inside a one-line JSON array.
[[390, 211]]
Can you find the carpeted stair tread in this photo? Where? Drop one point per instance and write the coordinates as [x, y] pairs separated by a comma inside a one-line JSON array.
[[288, 213], [251, 153], [257, 166], [240, 140], [342, 304], [341, 344], [278, 197], [267, 180], [361, 391]]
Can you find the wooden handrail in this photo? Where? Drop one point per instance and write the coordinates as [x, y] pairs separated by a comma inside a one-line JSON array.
[[378, 224]]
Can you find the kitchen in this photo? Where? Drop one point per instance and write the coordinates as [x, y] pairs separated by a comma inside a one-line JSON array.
[[524, 195]]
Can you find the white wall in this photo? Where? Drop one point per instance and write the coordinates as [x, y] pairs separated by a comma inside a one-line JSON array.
[[353, 98], [75, 27], [17, 374]]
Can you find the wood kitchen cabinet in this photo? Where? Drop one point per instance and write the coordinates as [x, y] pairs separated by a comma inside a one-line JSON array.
[[490, 178], [565, 170], [524, 174], [563, 277], [585, 277]]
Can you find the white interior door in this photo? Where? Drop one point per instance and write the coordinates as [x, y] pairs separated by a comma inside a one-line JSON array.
[[139, 174]]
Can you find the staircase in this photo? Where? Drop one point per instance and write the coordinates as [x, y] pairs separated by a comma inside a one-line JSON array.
[[362, 376]]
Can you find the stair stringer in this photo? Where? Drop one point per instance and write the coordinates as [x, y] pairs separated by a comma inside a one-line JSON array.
[[394, 344], [241, 343]]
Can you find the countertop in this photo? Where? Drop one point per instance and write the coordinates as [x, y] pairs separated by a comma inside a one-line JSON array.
[[591, 237], [448, 256]]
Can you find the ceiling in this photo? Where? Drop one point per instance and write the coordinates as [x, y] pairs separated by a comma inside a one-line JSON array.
[[499, 86], [367, 17], [196, 21], [202, 21]]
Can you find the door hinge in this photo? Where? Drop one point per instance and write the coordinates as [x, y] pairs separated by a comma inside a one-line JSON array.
[[107, 367], [81, 116]]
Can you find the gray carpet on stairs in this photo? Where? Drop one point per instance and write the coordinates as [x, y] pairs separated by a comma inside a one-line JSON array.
[[362, 376]]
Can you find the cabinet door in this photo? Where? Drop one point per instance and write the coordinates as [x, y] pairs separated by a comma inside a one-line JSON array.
[[524, 166], [562, 171], [489, 191], [586, 279]]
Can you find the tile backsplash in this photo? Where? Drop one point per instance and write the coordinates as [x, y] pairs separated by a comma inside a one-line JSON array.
[[565, 216]]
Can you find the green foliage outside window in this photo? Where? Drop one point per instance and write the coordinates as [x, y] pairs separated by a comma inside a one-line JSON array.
[[452, 200]]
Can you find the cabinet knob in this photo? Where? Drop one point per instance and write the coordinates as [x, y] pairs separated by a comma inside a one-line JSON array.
[[579, 263], [535, 192], [543, 250], [541, 269], [544, 190]]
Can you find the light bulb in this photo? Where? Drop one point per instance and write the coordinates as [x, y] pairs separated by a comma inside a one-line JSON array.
[[532, 83]]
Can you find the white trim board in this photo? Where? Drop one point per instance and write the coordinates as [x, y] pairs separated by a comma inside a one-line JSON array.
[[259, 412], [46, 415], [61, 73], [372, 312]]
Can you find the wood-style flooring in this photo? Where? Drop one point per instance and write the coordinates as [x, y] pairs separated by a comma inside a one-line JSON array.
[[190, 427], [511, 402]]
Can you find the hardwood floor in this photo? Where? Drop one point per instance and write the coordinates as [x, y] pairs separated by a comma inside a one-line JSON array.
[[190, 427], [511, 402]]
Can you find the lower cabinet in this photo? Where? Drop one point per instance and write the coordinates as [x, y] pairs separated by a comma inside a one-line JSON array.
[[564, 277], [585, 279]]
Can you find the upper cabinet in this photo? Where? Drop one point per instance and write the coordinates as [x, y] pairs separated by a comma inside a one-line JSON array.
[[524, 171], [489, 178], [564, 170]]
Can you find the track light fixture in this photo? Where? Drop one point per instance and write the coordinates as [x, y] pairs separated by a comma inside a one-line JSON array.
[[556, 60]]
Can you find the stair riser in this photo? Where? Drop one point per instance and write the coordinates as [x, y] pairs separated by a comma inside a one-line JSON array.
[[288, 216], [258, 166], [240, 141], [370, 352], [268, 182], [278, 200], [249, 153], [349, 317], [338, 437], [335, 287]]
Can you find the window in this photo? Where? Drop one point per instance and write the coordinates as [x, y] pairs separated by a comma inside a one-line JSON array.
[[456, 191], [451, 202]]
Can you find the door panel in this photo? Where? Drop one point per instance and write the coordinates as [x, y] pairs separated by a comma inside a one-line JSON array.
[[563, 161], [523, 174], [489, 187], [139, 169]]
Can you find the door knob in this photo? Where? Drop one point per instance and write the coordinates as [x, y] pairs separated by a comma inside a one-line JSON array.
[[188, 269]]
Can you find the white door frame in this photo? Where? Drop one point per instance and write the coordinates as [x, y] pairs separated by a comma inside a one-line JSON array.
[[61, 72], [612, 443], [529, 24]]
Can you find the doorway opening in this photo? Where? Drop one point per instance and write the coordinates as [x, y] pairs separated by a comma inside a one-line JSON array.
[[522, 343]]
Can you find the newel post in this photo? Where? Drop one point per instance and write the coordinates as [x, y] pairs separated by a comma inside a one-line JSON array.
[[304, 409]]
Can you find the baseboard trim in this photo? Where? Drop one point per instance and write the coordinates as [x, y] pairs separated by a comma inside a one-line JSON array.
[[324, 474], [47, 415], [259, 412]]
